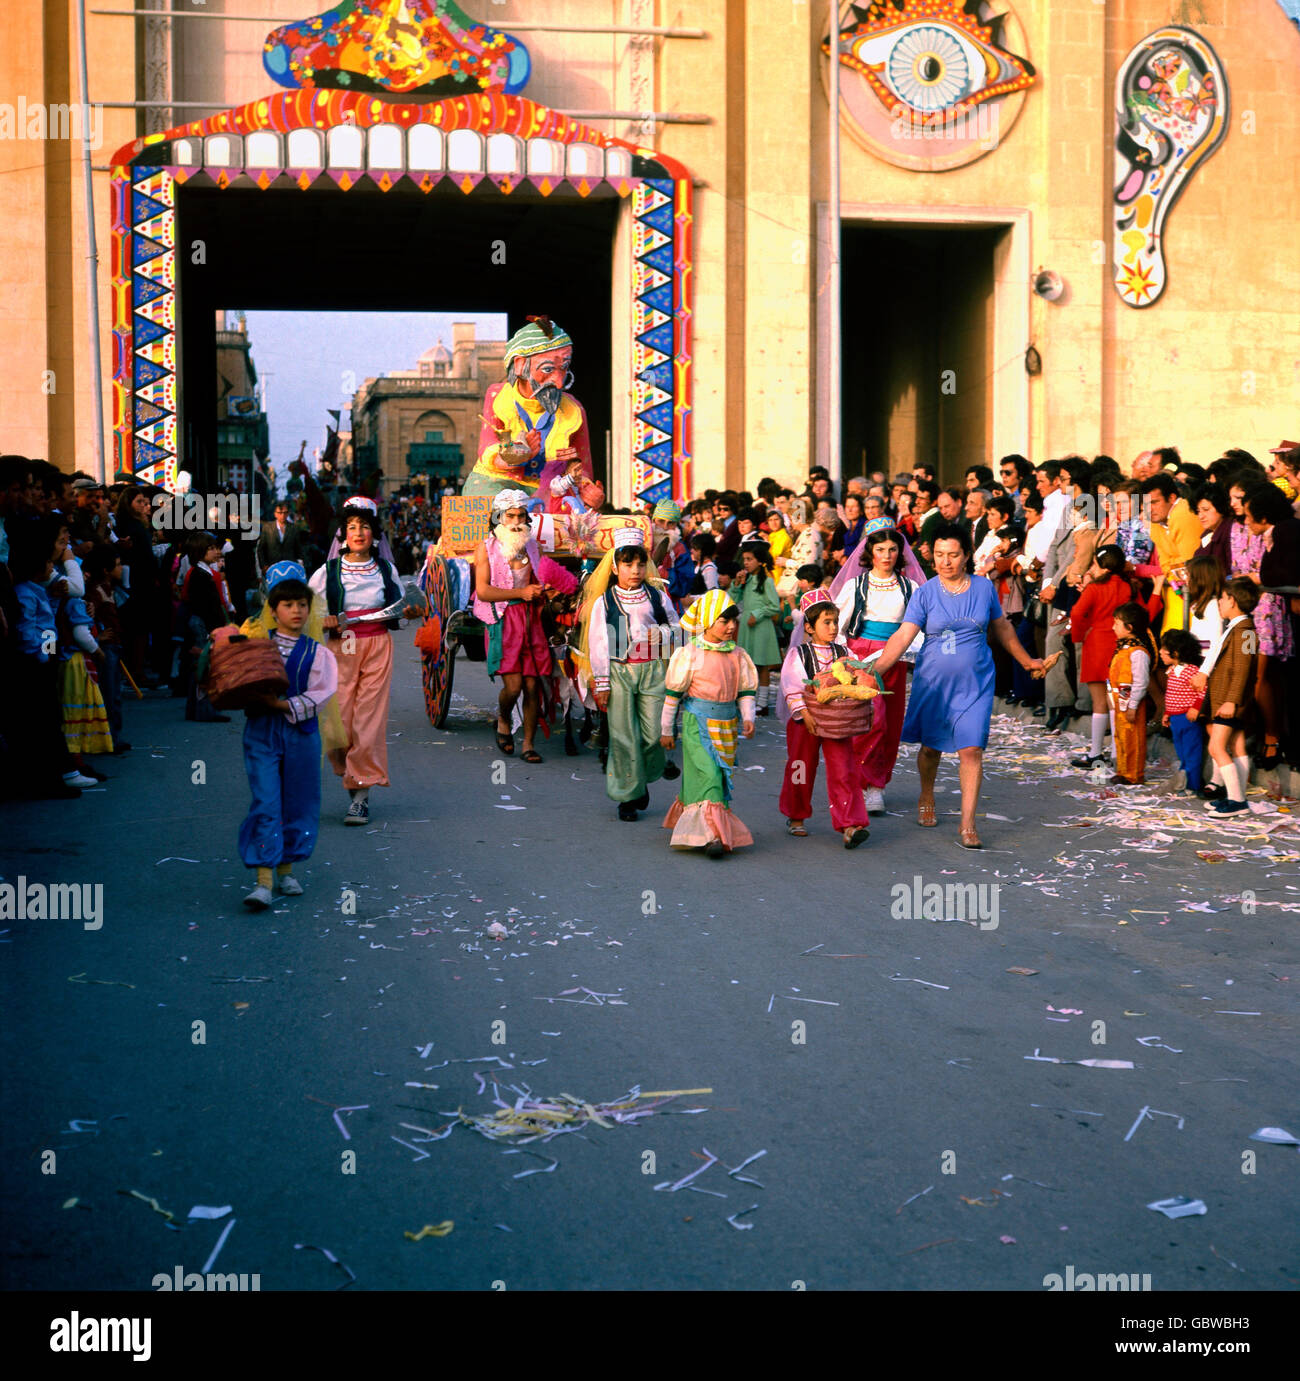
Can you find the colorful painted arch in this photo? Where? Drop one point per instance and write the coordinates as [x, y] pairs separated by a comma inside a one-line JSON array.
[[358, 140]]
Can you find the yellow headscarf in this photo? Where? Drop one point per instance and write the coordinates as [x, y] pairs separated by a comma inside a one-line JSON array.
[[262, 625], [704, 613]]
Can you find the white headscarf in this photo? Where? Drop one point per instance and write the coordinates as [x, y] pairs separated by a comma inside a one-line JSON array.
[[508, 499], [358, 503]]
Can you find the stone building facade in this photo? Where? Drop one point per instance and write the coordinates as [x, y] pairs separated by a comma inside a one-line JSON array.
[[939, 247], [423, 423], [243, 438]]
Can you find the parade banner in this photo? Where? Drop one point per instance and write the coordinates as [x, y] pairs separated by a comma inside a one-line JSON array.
[[467, 521], [564, 534], [609, 522]]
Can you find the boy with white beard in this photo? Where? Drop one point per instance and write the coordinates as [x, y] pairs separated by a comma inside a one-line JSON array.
[[511, 578]]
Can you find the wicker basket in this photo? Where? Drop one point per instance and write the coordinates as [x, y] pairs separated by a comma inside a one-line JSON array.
[[241, 670], [844, 718]]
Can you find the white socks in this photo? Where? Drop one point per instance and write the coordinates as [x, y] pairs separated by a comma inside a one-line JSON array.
[[1100, 723], [1233, 776], [1242, 765], [1232, 780], [763, 697]]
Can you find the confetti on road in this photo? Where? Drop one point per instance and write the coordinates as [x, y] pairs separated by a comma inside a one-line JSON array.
[[216, 1251], [430, 1230], [330, 1257], [741, 1214], [153, 1203]]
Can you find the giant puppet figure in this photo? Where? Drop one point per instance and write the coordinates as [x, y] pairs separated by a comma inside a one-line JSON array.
[[532, 430]]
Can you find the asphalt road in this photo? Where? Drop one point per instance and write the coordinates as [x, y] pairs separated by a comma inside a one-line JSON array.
[[878, 1060]]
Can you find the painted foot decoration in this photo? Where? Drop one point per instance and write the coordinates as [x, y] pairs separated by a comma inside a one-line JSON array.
[[1171, 112]]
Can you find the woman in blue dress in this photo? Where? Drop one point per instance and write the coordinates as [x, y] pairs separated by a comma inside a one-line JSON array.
[[951, 703]]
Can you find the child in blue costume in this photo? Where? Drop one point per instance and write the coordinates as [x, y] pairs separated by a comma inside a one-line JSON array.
[[282, 743]]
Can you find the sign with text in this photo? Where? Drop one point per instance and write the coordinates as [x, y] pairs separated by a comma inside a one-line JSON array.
[[466, 521]]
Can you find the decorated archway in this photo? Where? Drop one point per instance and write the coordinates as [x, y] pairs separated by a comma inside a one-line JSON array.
[[352, 140]]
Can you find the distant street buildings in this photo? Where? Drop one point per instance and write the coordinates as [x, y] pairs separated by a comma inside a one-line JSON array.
[[417, 424], [243, 439]]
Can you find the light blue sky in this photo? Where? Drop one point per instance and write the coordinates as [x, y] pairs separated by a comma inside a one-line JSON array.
[[305, 358]]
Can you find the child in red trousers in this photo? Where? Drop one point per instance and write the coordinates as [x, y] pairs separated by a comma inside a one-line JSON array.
[[843, 756]]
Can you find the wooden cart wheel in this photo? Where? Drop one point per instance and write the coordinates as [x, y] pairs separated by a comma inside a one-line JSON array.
[[437, 671], [438, 683]]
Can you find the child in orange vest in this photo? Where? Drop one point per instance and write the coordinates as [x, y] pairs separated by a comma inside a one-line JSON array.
[[1127, 682]]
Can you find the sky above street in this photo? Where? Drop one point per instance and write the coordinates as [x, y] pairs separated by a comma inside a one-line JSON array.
[[313, 361]]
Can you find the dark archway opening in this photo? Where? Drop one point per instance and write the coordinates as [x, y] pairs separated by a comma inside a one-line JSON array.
[[917, 347]]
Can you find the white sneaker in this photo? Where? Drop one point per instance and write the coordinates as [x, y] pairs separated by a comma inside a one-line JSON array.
[[290, 886], [875, 799], [79, 779], [258, 899]]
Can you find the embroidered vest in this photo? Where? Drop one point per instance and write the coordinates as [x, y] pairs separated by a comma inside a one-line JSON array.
[[298, 665], [809, 658], [334, 587], [297, 668], [858, 616], [500, 577], [619, 625]]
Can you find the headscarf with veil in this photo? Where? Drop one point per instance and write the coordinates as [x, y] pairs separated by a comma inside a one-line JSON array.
[[852, 569], [360, 505]]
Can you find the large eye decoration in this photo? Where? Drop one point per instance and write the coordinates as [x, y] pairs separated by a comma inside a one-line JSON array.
[[929, 68], [1171, 113], [925, 68]]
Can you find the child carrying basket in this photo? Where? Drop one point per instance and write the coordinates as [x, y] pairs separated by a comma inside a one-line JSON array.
[[828, 700]]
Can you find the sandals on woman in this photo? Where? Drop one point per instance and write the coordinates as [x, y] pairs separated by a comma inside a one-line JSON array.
[[530, 755], [925, 814], [505, 743], [968, 839], [795, 827]]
